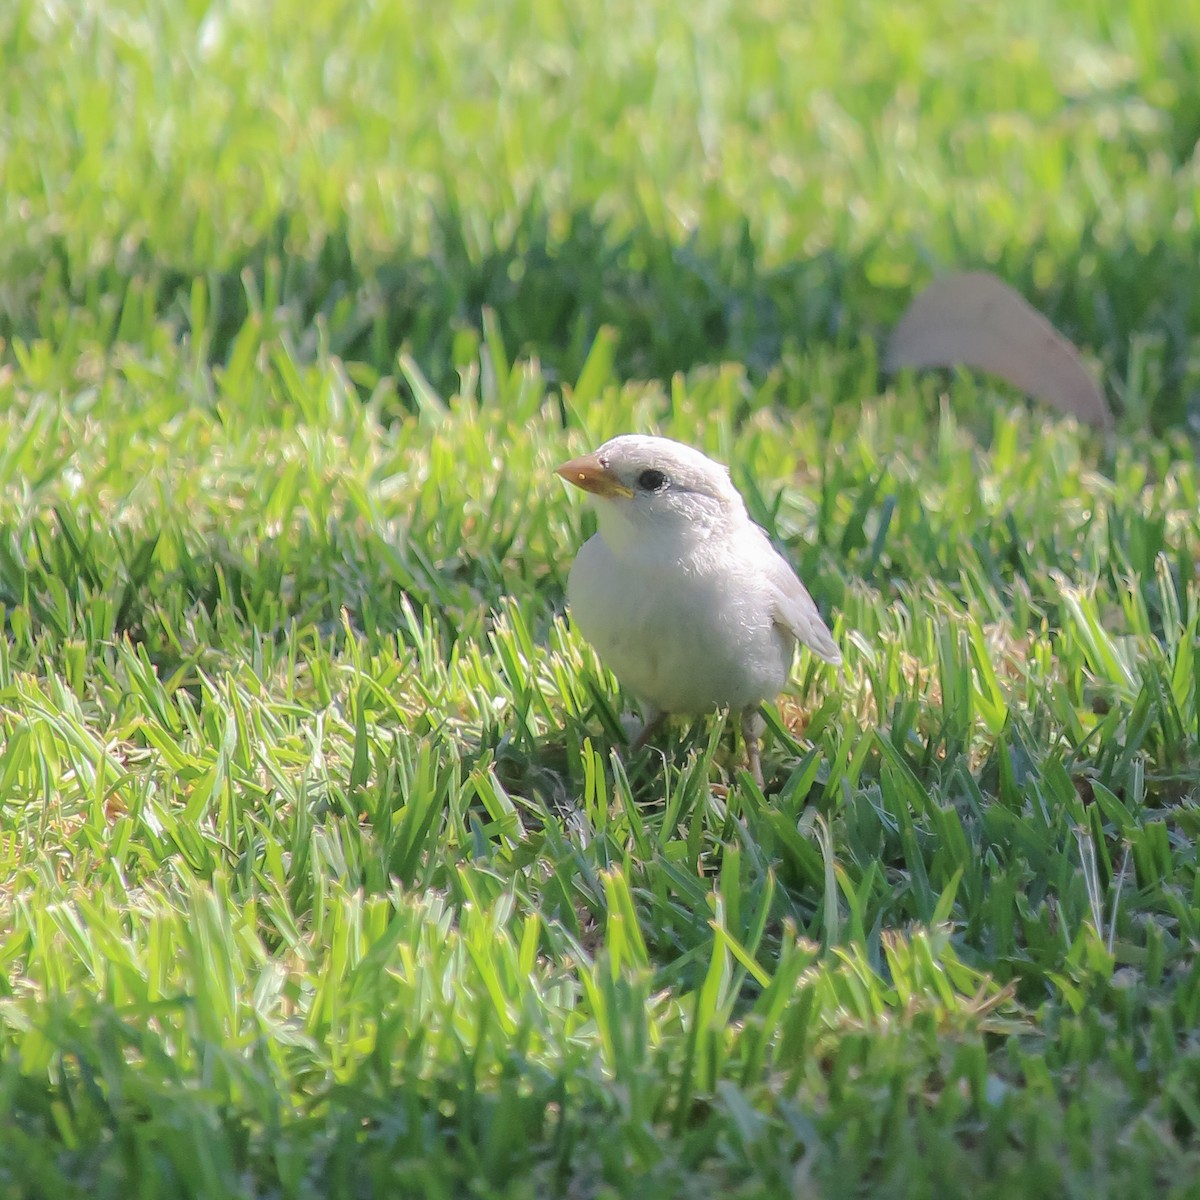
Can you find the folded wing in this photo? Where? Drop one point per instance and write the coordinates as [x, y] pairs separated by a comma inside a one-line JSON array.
[[796, 612]]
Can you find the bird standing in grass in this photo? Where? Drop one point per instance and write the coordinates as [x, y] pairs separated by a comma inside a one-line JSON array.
[[680, 593]]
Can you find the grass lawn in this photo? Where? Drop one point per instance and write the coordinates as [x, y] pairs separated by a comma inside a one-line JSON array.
[[323, 872]]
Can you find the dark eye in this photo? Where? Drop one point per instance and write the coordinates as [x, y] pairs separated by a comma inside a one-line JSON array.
[[651, 480]]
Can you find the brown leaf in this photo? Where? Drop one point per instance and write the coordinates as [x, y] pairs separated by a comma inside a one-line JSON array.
[[974, 319]]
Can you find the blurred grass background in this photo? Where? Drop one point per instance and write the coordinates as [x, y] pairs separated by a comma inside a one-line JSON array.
[[719, 182]]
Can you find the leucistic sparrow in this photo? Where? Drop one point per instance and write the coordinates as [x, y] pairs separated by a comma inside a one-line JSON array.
[[680, 593]]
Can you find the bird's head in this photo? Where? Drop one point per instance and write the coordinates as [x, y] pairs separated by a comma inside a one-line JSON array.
[[655, 495]]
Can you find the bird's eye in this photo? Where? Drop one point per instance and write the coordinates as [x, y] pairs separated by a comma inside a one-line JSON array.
[[652, 480]]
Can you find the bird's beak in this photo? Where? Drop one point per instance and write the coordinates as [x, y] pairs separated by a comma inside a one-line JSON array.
[[589, 473]]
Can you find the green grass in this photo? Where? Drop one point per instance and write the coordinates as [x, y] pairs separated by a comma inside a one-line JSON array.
[[323, 871]]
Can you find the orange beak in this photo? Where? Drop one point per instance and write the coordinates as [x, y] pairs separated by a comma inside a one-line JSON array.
[[589, 473]]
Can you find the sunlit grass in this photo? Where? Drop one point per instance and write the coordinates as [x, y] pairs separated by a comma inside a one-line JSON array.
[[324, 869]]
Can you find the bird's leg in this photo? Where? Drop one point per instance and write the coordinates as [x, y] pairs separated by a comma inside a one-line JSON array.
[[654, 722], [752, 729]]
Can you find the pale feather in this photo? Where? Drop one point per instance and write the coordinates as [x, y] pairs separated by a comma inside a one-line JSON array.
[[795, 611]]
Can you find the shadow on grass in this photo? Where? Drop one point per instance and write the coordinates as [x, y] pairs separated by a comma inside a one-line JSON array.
[[554, 279]]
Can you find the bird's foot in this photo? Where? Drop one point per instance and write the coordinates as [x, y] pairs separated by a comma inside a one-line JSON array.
[[654, 722], [752, 730]]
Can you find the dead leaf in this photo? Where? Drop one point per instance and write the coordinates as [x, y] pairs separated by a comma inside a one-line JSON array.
[[974, 319]]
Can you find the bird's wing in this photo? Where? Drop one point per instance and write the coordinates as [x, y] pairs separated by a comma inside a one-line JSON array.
[[796, 612]]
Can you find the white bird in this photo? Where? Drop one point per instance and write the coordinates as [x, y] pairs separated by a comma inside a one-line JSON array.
[[683, 597]]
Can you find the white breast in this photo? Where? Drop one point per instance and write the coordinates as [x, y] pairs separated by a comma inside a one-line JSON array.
[[685, 637]]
